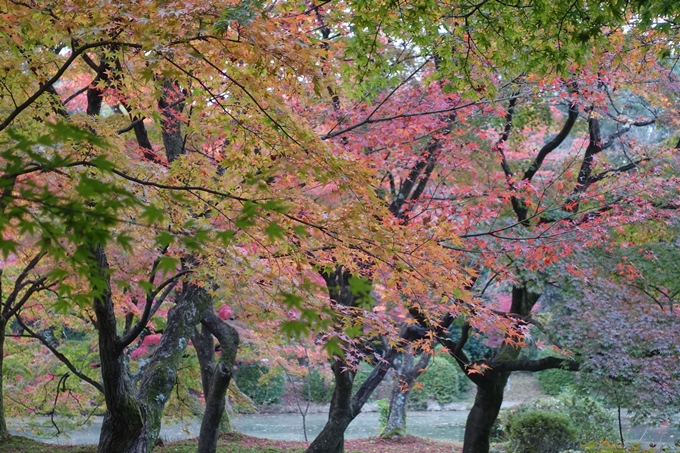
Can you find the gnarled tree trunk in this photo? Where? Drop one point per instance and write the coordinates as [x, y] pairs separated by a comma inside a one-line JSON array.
[[344, 406], [408, 374], [133, 418], [491, 385], [221, 377], [332, 438]]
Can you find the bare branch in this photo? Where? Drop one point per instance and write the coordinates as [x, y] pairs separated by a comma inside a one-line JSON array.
[[62, 358]]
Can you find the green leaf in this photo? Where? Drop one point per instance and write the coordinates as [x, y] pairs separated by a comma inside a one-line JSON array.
[[148, 287], [226, 237], [291, 300], [164, 239], [294, 329], [301, 230], [354, 331], [274, 205], [274, 231], [360, 286], [333, 348], [152, 213], [7, 247], [168, 264], [125, 241], [62, 306]]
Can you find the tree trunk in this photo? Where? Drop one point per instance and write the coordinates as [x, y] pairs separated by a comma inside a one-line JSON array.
[[484, 413], [204, 344], [344, 406], [173, 140], [396, 420], [3, 425], [491, 385], [408, 374], [332, 438], [221, 377], [133, 419]]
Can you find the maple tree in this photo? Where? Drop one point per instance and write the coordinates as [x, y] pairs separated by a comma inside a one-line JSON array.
[[343, 142], [521, 239], [146, 79]]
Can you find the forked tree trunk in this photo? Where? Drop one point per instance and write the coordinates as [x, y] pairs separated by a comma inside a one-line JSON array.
[[484, 413], [344, 406], [491, 385], [332, 438], [215, 399], [133, 418], [204, 344]]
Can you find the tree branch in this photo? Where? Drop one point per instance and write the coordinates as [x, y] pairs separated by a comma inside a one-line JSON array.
[[62, 358], [554, 143], [126, 340], [547, 363], [50, 82]]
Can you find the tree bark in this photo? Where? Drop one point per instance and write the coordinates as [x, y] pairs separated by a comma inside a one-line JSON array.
[[124, 416], [491, 385], [344, 406], [3, 424], [484, 413], [332, 438], [408, 374], [204, 344], [173, 140], [220, 379], [133, 418]]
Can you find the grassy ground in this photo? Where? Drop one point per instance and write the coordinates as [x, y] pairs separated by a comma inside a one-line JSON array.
[[239, 443]]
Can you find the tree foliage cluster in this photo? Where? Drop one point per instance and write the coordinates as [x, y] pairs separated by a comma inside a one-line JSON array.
[[355, 179]]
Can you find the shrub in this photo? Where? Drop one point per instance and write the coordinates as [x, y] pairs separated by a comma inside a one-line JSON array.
[[590, 420], [440, 380], [540, 431], [361, 375], [320, 390], [384, 411], [262, 385], [553, 382]]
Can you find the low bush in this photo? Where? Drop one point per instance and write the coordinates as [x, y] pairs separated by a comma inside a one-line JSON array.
[[589, 419], [540, 431], [263, 385], [320, 389], [440, 380]]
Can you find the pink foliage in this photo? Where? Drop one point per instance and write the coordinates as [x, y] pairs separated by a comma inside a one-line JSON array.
[[137, 353], [152, 340], [149, 340], [225, 312]]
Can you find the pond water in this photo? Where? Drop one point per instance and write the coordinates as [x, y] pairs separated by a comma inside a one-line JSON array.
[[444, 425]]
